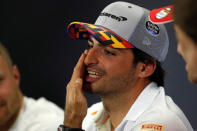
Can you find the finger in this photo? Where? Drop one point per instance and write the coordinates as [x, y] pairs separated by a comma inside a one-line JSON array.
[[86, 52], [76, 104], [79, 68], [75, 97], [74, 89]]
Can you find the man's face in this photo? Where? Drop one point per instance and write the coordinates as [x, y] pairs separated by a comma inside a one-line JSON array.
[[108, 70], [188, 49], [9, 92]]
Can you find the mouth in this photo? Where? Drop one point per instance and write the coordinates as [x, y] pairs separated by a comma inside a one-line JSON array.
[[92, 76]]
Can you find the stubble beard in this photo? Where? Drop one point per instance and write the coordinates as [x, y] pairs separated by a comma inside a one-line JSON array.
[[113, 86]]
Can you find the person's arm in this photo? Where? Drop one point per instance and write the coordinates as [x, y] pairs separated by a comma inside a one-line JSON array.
[[76, 103]]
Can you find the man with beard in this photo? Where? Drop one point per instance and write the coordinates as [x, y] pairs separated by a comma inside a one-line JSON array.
[[123, 67], [19, 112]]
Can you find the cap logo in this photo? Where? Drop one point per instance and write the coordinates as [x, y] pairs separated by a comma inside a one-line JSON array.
[[163, 13], [118, 18], [152, 28], [146, 41]]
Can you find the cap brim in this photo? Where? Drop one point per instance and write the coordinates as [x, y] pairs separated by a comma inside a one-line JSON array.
[[104, 36], [162, 15]]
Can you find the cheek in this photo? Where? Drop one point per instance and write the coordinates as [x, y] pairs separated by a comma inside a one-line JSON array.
[[5, 97], [7, 91], [192, 57], [191, 54], [117, 67]]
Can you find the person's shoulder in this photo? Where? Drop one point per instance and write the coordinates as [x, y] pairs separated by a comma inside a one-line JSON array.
[[163, 113], [161, 121], [41, 104], [43, 110], [38, 114]]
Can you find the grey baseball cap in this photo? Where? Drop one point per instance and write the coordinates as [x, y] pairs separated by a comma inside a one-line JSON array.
[[125, 25]]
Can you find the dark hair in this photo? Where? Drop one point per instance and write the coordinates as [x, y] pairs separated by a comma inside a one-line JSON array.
[[159, 73], [185, 16]]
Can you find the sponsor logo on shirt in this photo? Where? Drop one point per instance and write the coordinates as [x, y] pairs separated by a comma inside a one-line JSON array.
[[94, 113], [152, 127]]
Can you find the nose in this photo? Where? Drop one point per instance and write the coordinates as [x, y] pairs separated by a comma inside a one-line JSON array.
[[92, 57]]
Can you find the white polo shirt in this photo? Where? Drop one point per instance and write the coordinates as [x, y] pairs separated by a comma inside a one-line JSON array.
[[38, 115], [152, 111]]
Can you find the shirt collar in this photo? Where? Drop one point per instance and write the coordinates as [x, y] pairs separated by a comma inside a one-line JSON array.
[[143, 101]]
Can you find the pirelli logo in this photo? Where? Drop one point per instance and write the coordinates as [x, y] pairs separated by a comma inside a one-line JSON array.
[[152, 127]]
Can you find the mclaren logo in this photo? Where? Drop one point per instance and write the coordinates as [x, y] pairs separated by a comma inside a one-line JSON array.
[[118, 18]]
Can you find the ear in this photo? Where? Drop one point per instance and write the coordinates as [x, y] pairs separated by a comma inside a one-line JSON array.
[[146, 70], [16, 74]]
